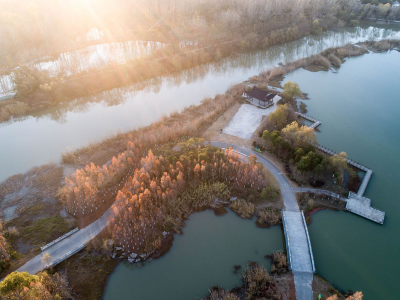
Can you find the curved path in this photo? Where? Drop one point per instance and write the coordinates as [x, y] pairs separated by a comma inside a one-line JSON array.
[[298, 250], [296, 234]]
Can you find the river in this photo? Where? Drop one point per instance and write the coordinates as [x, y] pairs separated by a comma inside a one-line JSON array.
[[43, 136], [202, 257], [358, 108], [90, 57]]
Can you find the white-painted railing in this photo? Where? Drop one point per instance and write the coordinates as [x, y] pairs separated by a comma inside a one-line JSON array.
[[66, 255], [285, 230], [59, 239], [308, 241], [317, 191]]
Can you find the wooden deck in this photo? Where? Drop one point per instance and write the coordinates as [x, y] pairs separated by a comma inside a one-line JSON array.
[[316, 122], [362, 207]]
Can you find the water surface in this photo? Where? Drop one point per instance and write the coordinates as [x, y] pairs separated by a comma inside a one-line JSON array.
[[42, 137], [202, 257], [359, 110]]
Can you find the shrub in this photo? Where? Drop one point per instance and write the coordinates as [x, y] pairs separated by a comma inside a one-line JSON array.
[[268, 216], [319, 60], [269, 193], [256, 279], [382, 46], [354, 23], [335, 60], [13, 232], [243, 208], [279, 262]]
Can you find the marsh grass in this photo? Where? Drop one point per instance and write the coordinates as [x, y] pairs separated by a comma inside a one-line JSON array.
[[243, 208], [268, 216], [45, 230], [335, 60]]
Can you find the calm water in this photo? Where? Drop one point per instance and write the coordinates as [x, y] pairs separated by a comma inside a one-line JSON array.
[[359, 108], [42, 137], [202, 257], [91, 57]]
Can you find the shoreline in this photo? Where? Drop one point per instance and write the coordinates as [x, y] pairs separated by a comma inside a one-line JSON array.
[[78, 151], [84, 81]]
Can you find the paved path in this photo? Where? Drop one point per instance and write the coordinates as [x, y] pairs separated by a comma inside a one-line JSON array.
[[67, 245], [296, 234], [299, 247], [318, 191]]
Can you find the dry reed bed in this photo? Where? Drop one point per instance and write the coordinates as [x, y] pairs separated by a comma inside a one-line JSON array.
[[327, 58]]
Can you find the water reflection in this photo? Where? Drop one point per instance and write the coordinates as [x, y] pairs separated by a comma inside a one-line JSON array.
[[91, 57], [44, 135]]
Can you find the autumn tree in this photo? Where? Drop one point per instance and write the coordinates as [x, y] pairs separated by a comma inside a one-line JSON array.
[[4, 255], [291, 90], [299, 136], [15, 283], [46, 259], [23, 286], [339, 163], [280, 116], [266, 136], [161, 190]]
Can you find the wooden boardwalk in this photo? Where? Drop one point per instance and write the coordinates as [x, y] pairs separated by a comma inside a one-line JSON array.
[[356, 203], [316, 122]]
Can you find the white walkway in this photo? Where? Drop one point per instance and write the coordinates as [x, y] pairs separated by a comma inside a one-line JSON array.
[[296, 234]]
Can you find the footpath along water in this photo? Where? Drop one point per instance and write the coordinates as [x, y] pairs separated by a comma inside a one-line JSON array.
[[42, 137], [358, 108]]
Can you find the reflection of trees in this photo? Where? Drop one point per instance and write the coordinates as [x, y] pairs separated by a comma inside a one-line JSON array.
[[254, 60], [97, 56]]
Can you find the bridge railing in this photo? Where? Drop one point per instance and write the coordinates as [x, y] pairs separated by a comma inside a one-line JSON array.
[[285, 230], [308, 241], [317, 191], [59, 239], [66, 255]]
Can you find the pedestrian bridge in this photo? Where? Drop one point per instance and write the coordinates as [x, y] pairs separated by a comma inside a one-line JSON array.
[[299, 252]]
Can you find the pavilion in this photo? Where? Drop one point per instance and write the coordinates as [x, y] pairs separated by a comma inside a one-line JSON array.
[[265, 99]]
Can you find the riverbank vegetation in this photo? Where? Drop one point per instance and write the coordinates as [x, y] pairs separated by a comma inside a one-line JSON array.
[[294, 144], [310, 203], [257, 283], [202, 21], [151, 163], [196, 32], [283, 134]]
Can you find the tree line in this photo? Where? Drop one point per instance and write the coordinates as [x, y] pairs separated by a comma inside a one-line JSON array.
[[34, 29]]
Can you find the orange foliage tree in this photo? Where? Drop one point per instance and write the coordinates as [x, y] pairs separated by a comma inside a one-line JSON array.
[[140, 207]]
